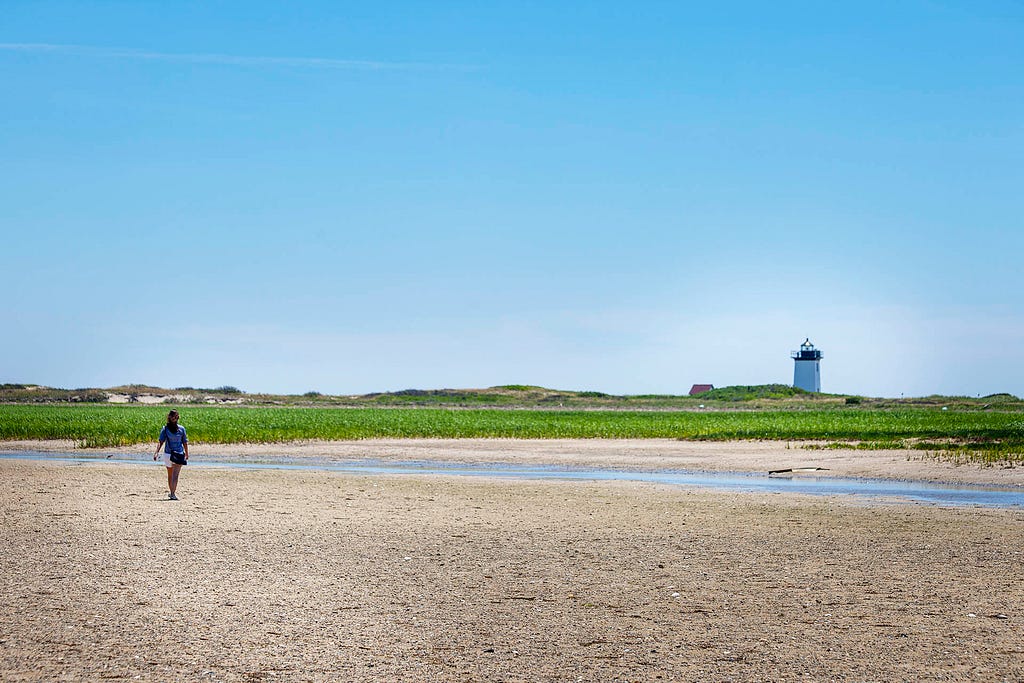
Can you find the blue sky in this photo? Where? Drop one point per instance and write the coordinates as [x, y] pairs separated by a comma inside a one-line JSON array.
[[631, 198]]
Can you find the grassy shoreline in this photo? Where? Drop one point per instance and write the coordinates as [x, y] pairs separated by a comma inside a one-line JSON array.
[[987, 437], [511, 396]]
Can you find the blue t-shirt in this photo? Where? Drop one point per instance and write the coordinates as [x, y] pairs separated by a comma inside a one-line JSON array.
[[173, 442]]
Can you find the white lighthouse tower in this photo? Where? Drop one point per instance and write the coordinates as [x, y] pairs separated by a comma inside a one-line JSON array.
[[807, 367]]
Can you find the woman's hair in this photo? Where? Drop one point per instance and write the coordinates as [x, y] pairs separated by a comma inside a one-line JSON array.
[[172, 427]]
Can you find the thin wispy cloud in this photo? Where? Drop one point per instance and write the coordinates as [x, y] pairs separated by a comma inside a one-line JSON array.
[[231, 60]]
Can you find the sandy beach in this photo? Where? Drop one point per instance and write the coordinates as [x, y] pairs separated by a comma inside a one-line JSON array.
[[272, 575]]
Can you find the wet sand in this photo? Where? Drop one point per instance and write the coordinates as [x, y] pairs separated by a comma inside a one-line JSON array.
[[271, 575], [635, 454]]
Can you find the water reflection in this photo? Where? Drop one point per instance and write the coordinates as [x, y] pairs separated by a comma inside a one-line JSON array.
[[940, 494]]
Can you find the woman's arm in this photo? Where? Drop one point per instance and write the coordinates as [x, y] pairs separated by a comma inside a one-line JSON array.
[[185, 444], [158, 447]]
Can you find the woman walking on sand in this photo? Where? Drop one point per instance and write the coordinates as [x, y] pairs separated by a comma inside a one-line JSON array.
[[175, 443]]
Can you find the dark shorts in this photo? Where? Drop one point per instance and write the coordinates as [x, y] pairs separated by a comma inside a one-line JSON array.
[[178, 459]]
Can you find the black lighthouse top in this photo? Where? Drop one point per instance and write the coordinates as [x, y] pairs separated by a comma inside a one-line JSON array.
[[806, 352]]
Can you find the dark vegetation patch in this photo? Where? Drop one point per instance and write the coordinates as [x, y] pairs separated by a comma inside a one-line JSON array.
[[724, 399], [749, 393]]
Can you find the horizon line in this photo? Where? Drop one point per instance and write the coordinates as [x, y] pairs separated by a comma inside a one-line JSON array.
[[521, 387]]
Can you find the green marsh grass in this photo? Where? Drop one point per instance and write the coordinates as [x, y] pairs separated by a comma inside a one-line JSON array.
[[978, 436]]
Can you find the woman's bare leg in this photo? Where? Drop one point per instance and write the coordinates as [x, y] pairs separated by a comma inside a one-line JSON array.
[[172, 478]]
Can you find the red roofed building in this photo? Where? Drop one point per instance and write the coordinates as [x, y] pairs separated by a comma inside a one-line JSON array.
[[700, 388]]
